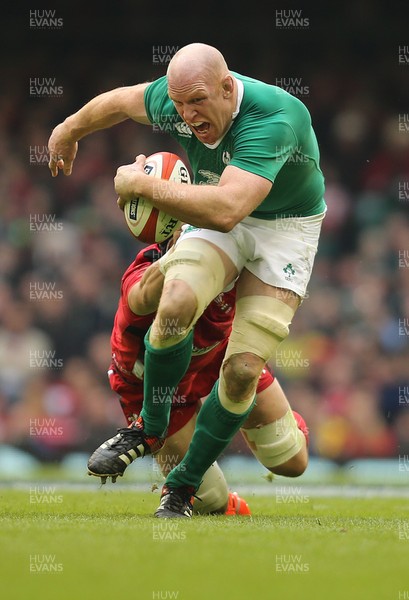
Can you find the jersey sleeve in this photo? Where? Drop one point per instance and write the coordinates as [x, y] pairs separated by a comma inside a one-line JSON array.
[[263, 147], [131, 278], [157, 102]]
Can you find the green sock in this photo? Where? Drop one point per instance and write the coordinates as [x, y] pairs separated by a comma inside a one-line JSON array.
[[215, 428], [163, 370]]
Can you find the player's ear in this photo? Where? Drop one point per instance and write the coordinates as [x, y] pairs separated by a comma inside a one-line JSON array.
[[228, 86]]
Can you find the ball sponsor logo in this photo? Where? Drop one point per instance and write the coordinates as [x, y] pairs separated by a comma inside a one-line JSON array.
[[183, 175], [133, 205]]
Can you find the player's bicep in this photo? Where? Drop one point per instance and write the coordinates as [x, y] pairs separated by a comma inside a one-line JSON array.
[[144, 295], [133, 102], [246, 190]]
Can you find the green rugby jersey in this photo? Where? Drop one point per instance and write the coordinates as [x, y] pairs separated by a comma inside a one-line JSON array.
[[271, 136]]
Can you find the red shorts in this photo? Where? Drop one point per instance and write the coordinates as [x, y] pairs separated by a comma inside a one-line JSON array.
[[194, 386]]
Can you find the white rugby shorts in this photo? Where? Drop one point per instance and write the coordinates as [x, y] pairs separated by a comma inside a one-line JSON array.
[[279, 252]]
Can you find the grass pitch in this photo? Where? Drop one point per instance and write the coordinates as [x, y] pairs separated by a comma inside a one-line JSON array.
[[65, 544]]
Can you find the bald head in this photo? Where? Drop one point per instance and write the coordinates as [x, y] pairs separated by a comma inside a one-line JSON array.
[[197, 61], [203, 91]]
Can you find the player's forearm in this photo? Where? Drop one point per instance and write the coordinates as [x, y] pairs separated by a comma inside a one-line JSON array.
[[200, 205], [219, 207], [92, 117], [211, 207], [106, 110]]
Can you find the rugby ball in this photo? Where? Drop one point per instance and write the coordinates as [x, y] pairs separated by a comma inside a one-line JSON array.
[[145, 222]]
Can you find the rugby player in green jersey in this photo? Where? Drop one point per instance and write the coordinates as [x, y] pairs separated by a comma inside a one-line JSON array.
[[255, 210]]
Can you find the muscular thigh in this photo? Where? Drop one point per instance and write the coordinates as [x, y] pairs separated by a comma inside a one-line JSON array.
[[250, 285], [271, 404], [263, 316], [196, 271], [201, 251]]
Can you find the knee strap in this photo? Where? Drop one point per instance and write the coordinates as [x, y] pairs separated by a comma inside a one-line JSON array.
[[276, 442], [197, 263], [260, 324]]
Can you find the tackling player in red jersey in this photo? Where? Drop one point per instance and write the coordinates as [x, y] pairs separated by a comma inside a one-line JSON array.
[[140, 284]]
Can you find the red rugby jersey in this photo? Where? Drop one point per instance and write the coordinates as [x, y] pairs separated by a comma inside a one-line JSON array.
[[129, 329]]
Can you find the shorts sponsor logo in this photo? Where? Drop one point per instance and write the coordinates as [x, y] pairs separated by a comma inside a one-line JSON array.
[[189, 228], [289, 271], [224, 306]]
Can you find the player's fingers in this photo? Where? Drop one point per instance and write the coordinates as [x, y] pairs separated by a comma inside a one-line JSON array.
[[66, 167], [121, 203], [55, 163], [52, 165]]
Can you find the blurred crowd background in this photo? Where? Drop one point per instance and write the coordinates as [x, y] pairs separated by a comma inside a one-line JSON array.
[[64, 244]]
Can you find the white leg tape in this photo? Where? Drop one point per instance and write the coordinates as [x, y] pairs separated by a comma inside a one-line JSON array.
[[276, 442], [197, 263], [260, 325], [213, 491]]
